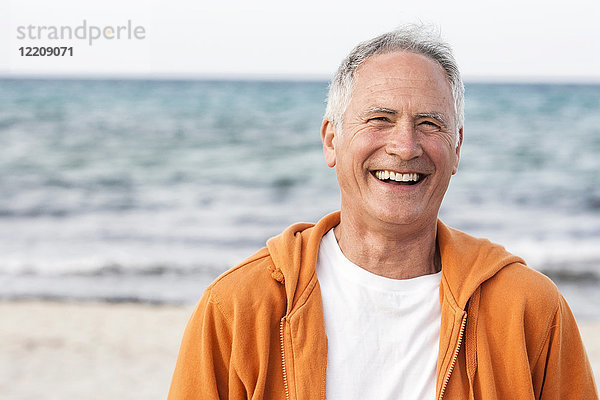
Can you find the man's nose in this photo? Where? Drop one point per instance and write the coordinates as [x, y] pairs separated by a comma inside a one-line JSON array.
[[403, 141]]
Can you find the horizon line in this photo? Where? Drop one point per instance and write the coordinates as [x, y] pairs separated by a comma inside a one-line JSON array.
[[282, 77]]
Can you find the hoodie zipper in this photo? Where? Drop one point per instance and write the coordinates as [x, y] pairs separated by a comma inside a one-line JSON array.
[[454, 356], [285, 381]]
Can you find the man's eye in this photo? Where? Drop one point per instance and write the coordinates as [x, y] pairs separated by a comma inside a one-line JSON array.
[[378, 119], [430, 125]]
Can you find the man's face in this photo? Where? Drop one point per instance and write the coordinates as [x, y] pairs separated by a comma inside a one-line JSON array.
[[396, 150]]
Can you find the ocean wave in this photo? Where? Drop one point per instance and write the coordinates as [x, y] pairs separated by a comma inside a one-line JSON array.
[[115, 270], [557, 274], [64, 297], [570, 276], [160, 284]]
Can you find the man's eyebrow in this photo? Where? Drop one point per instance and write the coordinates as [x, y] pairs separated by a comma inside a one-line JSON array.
[[441, 118], [375, 110]]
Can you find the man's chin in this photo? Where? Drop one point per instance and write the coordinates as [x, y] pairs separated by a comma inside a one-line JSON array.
[[400, 217]]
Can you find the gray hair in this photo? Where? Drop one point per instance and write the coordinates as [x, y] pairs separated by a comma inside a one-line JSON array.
[[419, 39]]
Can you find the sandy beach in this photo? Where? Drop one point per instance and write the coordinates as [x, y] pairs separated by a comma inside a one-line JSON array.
[[88, 350], [53, 350]]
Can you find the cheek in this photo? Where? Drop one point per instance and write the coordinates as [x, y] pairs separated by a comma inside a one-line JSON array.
[[443, 154], [363, 145], [448, 140], [352, 161]]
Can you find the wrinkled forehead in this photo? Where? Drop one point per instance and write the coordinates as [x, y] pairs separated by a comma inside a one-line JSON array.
[[402, 76], [401, 63]]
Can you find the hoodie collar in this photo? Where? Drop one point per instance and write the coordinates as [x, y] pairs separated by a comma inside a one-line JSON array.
[[294, 252], [467, 261]]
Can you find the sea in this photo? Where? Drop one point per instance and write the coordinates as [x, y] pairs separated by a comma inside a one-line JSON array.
[[147, 190]]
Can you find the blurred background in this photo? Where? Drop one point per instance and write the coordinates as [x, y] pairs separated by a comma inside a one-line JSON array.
[[140, 168]]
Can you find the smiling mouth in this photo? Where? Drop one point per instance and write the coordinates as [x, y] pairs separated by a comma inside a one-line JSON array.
[[398, 178]]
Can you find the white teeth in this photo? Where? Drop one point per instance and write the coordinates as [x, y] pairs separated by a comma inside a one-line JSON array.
[[396, 176], [406, 177]]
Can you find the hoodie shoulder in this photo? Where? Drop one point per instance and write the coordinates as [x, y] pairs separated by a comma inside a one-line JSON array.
[[519, 286]]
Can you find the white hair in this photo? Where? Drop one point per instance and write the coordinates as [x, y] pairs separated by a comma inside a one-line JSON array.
[[419, 39]]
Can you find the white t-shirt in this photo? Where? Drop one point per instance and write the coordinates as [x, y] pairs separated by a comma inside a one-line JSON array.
[[383, 334]]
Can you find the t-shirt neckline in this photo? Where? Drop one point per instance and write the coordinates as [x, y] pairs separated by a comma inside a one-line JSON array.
[[348, 270]]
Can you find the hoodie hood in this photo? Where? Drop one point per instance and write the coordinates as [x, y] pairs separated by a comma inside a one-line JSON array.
[[467, 261]]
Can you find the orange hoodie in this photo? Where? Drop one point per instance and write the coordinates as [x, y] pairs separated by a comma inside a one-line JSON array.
[[258, 332]]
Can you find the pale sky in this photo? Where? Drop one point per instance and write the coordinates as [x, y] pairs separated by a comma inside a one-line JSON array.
[[508, 40]]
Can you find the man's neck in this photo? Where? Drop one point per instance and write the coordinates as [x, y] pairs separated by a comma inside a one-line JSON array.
[[399, 252]]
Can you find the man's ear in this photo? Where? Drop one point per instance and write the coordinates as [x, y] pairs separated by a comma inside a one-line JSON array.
[[328, 136], [458, 146]]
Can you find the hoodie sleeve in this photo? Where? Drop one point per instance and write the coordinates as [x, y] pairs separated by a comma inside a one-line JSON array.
[[202, 365], [563, 370]]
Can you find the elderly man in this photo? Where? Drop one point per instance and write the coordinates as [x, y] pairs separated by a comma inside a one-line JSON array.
[[382, 300]]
